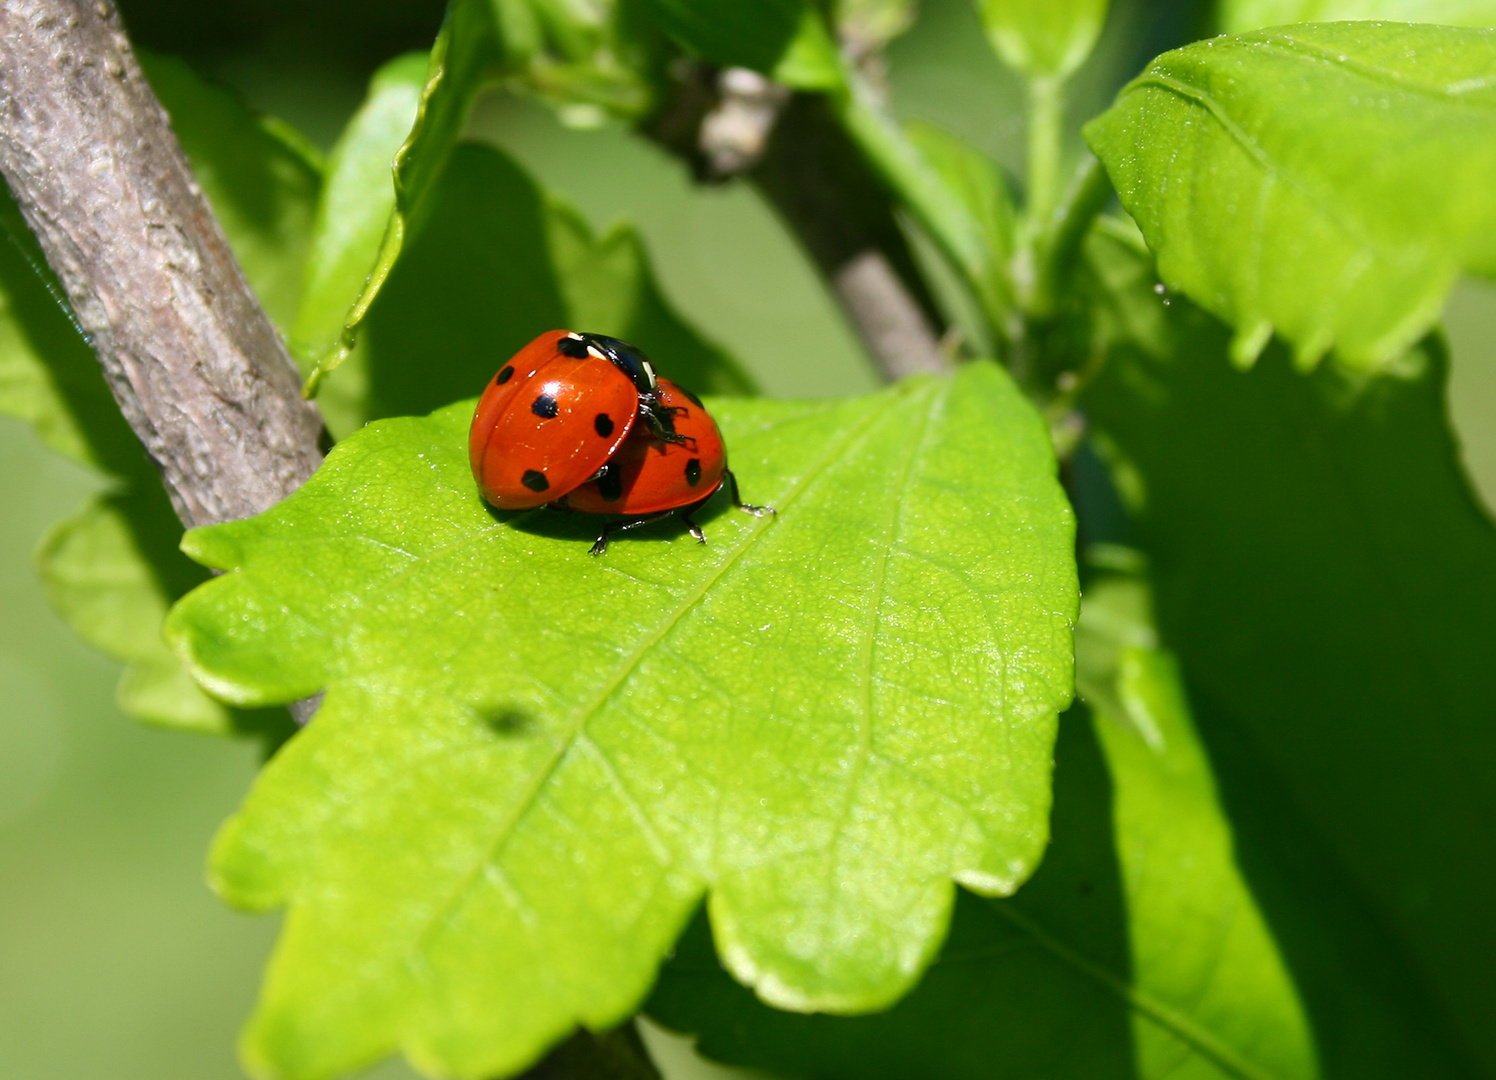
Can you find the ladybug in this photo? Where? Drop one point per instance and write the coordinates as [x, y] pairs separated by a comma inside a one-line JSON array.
[[556, 412], [651, 477], [581, 422]]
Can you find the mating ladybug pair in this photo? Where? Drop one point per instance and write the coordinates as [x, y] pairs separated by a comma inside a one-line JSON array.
[[581, 422]]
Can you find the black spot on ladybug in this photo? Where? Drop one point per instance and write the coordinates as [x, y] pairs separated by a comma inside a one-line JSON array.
[[545, 407], [603, 424], [535, 480], [609, 484], [694, 399], [575, 348], [505, 374], [693, 471]]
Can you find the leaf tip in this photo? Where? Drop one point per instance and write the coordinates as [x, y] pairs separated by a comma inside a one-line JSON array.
[[1248, 342], [1308, 352]]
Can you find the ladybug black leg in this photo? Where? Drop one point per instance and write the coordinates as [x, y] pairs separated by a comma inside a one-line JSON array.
[[691, 526], [747, 508], [601, 544], [661, 421]]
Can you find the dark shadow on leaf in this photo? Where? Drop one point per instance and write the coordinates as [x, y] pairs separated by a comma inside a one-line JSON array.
[[1332, 616], [996, 1002], [506, 721]]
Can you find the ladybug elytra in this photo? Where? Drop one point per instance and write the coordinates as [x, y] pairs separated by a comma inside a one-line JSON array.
[[581, 422]]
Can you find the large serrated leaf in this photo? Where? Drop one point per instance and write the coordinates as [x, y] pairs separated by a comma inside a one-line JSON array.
[[1326, 576], [1327, 181], [530, 763], [1137, 950], [1237, 16]]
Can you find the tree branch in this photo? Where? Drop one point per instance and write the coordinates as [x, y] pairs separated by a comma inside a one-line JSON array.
[[823, 189], [196, 366]]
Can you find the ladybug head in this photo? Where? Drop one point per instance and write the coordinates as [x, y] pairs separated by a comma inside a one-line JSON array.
[[626, 358]]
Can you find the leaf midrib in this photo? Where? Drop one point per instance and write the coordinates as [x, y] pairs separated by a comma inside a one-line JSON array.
[[576, 728]]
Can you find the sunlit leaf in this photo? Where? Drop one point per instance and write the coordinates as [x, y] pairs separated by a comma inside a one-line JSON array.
[[1237, 16], [531, 762], [1137, 950], [1325, 181], [357, 198]]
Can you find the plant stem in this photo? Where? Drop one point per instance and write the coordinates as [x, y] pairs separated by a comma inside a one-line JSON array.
[[831, 198], [1057, 243], [1046, 120]]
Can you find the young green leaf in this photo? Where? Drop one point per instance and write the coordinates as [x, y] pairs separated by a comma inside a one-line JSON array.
[[1327, 578], [531, 763], [102, 584], [496, 262], [1325, 181], [1239, 16], [1137, 950], [974, 179], [468, 52], [1043, 38], [357, 199]]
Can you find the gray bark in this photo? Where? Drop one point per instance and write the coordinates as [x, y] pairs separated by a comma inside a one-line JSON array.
[[195, 364]]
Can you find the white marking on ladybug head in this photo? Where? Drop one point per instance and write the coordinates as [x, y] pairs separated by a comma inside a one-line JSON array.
[[574, 335], [592, 351], [649, 373]]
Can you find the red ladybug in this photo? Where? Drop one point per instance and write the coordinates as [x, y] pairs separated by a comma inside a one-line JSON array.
[[555, 414], [581, 422], [651, 476]]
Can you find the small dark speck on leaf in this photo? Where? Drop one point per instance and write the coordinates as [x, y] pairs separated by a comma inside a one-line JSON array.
[[503, 720]]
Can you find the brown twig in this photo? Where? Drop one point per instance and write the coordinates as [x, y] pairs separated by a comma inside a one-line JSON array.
[[195, 364], [821, 186]]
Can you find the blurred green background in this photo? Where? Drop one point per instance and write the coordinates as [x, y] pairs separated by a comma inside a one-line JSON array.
[[115, 960]]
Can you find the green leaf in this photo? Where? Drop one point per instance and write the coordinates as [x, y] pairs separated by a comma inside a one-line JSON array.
[[951, 191], [496, 263], [468, 52], [1238, 16], [531, 763], [1137, 950], [112, 569], [972, 178], [356, 203], [1327, 578], [100, 581], [260, 177], [1327, 181], [734, 33], [1043, 38]]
